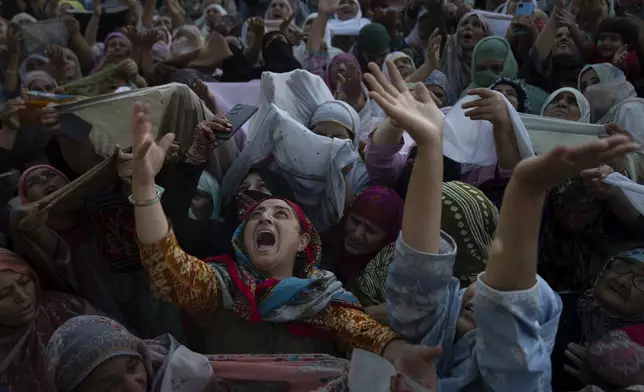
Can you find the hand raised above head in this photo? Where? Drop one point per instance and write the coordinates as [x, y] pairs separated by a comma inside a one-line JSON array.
[[418, 115]]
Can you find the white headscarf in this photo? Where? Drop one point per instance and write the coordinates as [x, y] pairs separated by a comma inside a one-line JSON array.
[[341, 113], [582, 103], [209, 184], [393, 56], [347, 27]]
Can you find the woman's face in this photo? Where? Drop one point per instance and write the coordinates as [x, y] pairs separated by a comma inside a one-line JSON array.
[[564, 45], [344, 68], [71, 66], [163, 22], [438, 92], [117, 47], [213, 17], [331, 129], [272, 238], [576, 217], [588, 78], [279, 9], [620, 290], [564, 106], [202, 205], [405, 67], [18, 299], [510, 94], [254, 182], [470, 32], [350, 12], [361, 236], [42, 85], [122, 373], [608, 44], [42, 182]]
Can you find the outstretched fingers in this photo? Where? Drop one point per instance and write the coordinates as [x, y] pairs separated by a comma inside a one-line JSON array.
[[378, 89], [382, 80]]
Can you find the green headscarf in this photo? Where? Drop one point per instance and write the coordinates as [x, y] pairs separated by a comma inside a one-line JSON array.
[[492, 48], [373, 39]]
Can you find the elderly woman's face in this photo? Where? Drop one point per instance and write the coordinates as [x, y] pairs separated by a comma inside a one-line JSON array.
[[349, 12], [362, 236], [470, 32], [564, 106], [331, 129], [405, 67], [438, 92], [71, 65], [272, 238], [18, 299], [117, 47], [510, 94], [122, 373], [279, 9], [42, 182], [620, 289]]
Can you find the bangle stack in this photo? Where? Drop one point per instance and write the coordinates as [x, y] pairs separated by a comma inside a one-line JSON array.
[[145, 203]]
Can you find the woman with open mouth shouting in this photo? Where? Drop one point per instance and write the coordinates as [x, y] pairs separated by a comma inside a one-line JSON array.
[[268, 296]]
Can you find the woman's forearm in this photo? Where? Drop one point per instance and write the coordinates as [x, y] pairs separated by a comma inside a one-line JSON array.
[[82, 49], [545, 40], [387, 133], [151, 222], [316, 35], [622, 207], [507, 151], [92, 30]]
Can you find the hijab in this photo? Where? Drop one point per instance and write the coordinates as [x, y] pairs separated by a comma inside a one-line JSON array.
[[413, 38], [455, 64], [595, 320], [338, 112], [22, 351], [341, 58], [205, 29], [439, 79], [277, 54], [582, 103], [22, 191], [491, 48], [33, 63], [614, 99], [522, 94], [209, 184], [85, 342], [393, 56], [79, 73], [347, 27], [32, 76], [185, 39], [383, 207], [298, 298], [269, 12]]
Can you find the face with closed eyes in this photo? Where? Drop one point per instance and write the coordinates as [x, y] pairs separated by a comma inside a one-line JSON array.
[[564, 106], [18, 299], [620, 287], [362, 236], [272, 238], [117, 374], [42, 182]]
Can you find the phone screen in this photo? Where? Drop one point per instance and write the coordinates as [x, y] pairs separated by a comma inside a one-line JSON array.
[[524, 9]]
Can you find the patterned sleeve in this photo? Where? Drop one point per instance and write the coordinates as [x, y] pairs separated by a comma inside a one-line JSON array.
[[179, 278], [355, 329], [617, 359]]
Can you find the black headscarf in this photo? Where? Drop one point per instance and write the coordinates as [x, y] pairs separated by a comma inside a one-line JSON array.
[[278, 54]]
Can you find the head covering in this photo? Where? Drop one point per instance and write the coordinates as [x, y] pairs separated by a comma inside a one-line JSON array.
[[595, 320], [470, 218], [492, 48], [205, 28], [31, 62], [358, 15], [522, 94], [82, 344], [582, 103], [373, 39], [209, 184], [111, 36], [22, 351], [338, 112], [269, 11], [23, 18], [456, 63], [75, 4], [413, 38], [346, 58], [32, 76], [185, 39], [439, 79], [278, 54], [25, 174], [300, 297], [613, 90], [393, 56], [79, 73], [383, 207]]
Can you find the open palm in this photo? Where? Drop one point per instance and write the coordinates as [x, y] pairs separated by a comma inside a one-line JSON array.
[[149, 155], [418, 115]]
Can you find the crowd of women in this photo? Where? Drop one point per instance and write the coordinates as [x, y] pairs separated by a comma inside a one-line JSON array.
[[196, 262]]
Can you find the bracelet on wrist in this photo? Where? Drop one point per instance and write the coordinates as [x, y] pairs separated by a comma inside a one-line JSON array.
[[145, 203]]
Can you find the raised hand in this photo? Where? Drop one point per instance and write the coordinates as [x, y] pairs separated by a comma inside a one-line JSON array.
[[286, 23], [97, 8], [129, 68], [594, 182], [149, 155], [619, 59], [256, 30], [49, 119], [490, 106], [204, 140], [14, 38], [433, 54], [71, 24], [56, 55], [543, 172], [329, 7], [202, 92], [418, 115]]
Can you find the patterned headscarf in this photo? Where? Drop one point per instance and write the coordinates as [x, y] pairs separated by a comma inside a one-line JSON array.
[[439, 79], [470, 218], [32, 76], [522, 94], [21, 183], [595, 320], [303, 297], [83, 343]]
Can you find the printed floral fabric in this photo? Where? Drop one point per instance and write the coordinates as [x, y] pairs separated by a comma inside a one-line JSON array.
[[510, 348], [195, 286], [617, 359]]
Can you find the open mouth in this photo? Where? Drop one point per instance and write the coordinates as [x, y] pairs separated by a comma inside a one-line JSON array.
[[265, 240], [468, 35]]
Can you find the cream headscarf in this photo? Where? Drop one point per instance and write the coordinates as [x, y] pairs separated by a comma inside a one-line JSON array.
[[582, 103]]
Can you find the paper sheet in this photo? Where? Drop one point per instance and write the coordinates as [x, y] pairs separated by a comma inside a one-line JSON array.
[[633, 191], [369, 372]]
